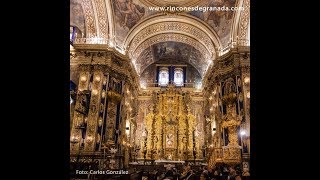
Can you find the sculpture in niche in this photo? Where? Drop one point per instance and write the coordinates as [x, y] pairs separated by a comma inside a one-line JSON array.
[[169, 140], [229, 86]]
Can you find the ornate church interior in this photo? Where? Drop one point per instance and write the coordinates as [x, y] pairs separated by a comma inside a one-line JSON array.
[[159, 94]]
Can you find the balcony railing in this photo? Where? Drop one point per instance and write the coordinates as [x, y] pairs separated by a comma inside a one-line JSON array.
[[185, 85], [90, 41], [234, 44]]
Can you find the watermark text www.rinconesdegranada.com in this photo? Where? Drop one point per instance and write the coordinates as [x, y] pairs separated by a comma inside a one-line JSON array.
[[102, 172], [196, 8]]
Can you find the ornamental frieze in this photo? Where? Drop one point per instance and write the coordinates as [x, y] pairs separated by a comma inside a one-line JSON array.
[[89, 18], [102, 20], [244, 21]]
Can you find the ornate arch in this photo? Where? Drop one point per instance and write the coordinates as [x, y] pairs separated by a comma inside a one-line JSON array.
[[171, 23]]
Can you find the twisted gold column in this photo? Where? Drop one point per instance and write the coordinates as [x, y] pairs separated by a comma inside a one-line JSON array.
[[78, 118], [92, 123]]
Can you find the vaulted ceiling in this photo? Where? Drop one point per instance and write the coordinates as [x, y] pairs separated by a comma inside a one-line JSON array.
[[147, 36]]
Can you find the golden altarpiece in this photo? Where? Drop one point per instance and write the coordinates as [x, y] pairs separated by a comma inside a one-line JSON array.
[[170, 127]]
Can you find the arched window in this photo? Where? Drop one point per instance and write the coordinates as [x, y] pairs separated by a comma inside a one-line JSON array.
[[178, 76], [163, 76]]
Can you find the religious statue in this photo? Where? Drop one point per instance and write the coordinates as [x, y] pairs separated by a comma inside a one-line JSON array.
[[229, 86], [169, 140]]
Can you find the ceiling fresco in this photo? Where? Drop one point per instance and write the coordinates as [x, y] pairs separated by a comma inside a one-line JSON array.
[[127, 14], [130, 12], [172, 52], [220, 21]]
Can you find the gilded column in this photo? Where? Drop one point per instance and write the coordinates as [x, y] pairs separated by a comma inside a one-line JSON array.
[[149, 126], [191, 124], [92, 123], [182, 136], [80, 109], [113, 99], [158, 129]]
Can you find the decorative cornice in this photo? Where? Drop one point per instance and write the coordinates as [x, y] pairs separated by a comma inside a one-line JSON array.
[[110, 62]]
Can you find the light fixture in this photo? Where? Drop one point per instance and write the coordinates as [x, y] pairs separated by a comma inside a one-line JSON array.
[[144, 134], [103, 94], [242, 132], [100, 122], [98, 78], [94, 92], [246, 80], [89, 138], [74, 139], [83, 78], [71, 100]]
